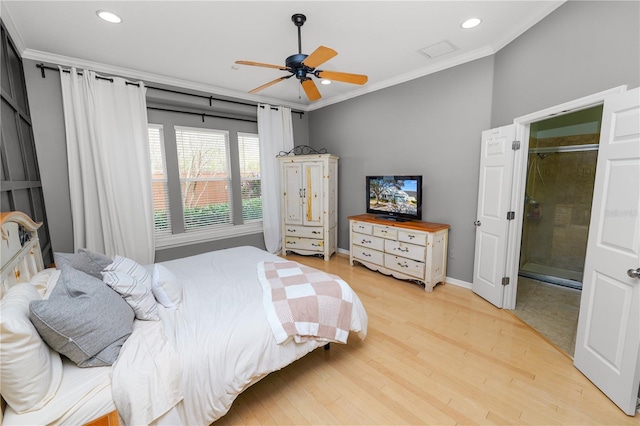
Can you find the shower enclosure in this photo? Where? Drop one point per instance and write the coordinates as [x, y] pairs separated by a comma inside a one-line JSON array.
[[559, 189]]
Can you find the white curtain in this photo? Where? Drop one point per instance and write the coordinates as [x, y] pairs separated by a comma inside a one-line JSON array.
[[109, 165], [275, 130]]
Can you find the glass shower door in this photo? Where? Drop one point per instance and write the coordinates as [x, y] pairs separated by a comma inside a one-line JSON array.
[[557, 211]]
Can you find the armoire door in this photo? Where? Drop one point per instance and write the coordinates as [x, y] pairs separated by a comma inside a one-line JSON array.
[[292, 193], [313, 193]]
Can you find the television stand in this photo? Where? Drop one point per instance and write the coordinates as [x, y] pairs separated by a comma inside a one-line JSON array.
[[408, 250]]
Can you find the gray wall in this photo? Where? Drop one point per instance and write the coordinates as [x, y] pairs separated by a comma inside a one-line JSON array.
[[432, 125], [580, 49], [45, 100], [429, 126]]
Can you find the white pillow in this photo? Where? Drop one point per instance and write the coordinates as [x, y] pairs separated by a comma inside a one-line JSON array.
[[169, 283], [132, 268], [137, 295], [30, 371], [41, 280], [158, 292]]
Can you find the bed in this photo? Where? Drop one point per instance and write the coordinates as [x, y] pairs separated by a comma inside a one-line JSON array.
[[217, 336]]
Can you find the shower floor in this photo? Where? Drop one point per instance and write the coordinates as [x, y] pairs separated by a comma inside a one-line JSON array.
[[549, 309]]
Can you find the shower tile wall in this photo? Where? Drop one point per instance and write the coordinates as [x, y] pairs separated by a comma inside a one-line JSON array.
[[558, 206]]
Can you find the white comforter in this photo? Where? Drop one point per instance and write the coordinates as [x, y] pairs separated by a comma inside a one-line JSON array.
[[212, 348]]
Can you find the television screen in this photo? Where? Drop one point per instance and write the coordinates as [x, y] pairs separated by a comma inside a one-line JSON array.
[[397, 197]]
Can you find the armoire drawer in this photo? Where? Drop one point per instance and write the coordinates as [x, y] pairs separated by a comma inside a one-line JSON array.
[[303, 231], [303, 244]]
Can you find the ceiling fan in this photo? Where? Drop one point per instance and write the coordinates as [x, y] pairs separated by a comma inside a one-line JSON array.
[[302, 66]]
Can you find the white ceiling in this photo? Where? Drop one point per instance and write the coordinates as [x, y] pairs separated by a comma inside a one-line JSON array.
[[194, 44]]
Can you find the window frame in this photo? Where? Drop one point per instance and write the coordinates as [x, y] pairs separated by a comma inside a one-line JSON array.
[[178, 235]]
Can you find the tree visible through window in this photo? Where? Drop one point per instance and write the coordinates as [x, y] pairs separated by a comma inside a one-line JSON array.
[[205, 178]]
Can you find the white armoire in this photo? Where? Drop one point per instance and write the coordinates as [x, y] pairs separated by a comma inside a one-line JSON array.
[[309, 197]]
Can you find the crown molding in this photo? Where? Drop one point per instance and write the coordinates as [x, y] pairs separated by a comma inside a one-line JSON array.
[[132, 74], [11, 28]]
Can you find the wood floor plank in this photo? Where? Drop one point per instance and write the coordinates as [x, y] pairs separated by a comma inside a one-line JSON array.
[[446, 357]]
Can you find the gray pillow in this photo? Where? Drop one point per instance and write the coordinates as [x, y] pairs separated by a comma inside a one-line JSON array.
[[83, 319], [84, 260]]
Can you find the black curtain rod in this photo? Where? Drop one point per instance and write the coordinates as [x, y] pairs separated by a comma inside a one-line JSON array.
[[203, 115], [44, 67]]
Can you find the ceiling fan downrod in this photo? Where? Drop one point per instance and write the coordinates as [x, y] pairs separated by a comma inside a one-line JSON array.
[[299, 19]]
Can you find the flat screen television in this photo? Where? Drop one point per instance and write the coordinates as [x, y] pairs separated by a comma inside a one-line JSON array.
[[397, 197]]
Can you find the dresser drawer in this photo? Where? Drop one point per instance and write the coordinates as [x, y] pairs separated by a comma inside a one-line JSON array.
[[362, 228], [368, 241], [410, 251], [368, 255], [385, 232], [404, 265], [303, 244], [418, 238], [303, 231]]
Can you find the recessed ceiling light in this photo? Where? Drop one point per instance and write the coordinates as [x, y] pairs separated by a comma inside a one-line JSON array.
[[471, 23], [325, 81], [109, 16]]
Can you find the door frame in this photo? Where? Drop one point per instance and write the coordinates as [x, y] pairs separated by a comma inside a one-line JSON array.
[[522, 125]]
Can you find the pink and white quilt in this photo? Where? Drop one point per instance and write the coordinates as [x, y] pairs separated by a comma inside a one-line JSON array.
[[304, 303]]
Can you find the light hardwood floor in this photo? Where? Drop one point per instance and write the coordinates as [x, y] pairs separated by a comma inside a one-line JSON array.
[[447, 357]]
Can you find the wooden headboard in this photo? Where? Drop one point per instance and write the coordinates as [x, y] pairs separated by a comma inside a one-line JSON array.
[[19, 249]]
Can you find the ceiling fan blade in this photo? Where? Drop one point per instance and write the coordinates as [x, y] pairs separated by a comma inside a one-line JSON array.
[[271, 83], [319, 56], [260, 64], [310, 89], [342, 76]]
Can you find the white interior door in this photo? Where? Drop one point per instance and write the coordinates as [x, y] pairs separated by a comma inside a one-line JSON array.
[[492, 225], [608, 337]]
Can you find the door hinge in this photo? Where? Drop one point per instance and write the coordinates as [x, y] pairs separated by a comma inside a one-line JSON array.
[[515, 145], [505, 280], [511, 215]]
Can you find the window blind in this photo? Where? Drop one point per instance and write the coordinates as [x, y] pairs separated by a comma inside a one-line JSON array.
[[249, 156], [159, 180]]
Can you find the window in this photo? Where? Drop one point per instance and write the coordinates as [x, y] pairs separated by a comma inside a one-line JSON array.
[[205, 178], [159, 180], [249, 155]]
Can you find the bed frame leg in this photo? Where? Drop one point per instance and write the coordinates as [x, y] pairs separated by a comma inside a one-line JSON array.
[[327, 346]]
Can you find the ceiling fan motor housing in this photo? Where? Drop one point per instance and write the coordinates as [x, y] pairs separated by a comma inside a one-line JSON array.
[[294, 63]]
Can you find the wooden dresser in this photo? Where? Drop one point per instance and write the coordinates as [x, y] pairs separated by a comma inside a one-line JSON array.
[[412, 250]]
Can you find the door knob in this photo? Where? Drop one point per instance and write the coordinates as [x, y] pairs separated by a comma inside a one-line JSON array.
[[634, 273], [477, 223]]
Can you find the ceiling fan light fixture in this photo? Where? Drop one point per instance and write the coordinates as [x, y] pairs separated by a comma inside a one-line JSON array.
[[325, 81], [471, 23], [111, 17]]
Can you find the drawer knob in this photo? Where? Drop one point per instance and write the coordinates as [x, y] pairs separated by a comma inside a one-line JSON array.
[[403, 250], [403, 265], [315, 232], [366, 242], [366, 254]]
